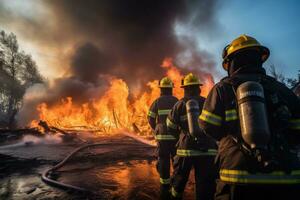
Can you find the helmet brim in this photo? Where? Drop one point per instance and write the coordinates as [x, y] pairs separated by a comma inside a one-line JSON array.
[[165, 86], [264, 51], [183, 86]]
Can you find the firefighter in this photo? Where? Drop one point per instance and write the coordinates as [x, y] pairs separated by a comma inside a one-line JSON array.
[[191, 152], [256, 120], [157, 116]]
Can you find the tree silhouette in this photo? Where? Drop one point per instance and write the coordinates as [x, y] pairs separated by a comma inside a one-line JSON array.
[[18, 71], [289, 82]]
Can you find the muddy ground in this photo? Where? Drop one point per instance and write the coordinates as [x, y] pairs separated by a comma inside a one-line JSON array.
[[122, 168]]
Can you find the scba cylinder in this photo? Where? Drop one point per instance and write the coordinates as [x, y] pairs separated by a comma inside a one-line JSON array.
[[253, 115], [193, 112]]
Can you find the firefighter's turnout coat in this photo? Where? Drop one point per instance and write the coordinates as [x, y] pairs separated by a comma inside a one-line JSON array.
[[191, 153], [220, 119]]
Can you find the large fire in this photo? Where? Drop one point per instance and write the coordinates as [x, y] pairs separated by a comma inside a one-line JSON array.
[[113, 111]]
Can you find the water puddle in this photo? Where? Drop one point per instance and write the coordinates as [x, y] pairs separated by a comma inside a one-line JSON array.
[[123, 180]]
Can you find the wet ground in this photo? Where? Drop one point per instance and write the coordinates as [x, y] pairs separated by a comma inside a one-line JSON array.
[[121, 169]]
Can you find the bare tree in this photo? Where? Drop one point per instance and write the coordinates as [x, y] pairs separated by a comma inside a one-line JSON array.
[[277, 75], [294, 81], [289, 82], [17, 72]]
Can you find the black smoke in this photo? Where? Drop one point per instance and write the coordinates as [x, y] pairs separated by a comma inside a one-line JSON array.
[[88, 62], [129, 39]]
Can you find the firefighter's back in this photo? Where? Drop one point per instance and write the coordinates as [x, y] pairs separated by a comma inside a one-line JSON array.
[[164, 105]]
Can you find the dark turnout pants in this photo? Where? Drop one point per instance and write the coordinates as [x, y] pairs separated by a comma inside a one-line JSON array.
[[226, 191], [165, 153], [205, 175]]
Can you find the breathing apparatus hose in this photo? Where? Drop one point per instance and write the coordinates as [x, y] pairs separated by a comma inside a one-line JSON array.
[[52, 182]]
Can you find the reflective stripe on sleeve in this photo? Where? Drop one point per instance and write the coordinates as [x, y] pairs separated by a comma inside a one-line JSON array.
[[165, 181], [211, 118], [186, 153], [175, 194], [231, 115], [165, 137], [276, 177], [170, 124], [164, 112], [152, 114], [295, 124]]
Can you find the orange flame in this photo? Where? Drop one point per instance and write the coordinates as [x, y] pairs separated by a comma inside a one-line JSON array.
[[113, 111], [208, 84], [175, 75]]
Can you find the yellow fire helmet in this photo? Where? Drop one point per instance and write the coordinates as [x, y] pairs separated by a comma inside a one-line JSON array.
[[243, 42], [165, 82], [190, 79]]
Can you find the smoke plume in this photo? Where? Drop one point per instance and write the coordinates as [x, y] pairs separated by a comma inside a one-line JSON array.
[[117, 38], [129, 39]]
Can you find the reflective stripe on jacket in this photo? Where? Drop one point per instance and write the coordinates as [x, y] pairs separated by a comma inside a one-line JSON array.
[[161, 137], [185, 152], [276, 177]]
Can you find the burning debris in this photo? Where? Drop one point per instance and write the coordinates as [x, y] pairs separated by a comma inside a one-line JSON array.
[[115, 110], [40, 133]]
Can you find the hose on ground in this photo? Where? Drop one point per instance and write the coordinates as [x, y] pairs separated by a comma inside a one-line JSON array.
[[52, 182]]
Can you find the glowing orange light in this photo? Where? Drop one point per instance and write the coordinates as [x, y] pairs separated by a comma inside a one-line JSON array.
[[113, 111]]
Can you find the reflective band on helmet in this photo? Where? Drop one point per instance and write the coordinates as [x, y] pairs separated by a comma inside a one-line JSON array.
[[211, 118], [295, 124], [165, 137], [170, 124], [164, 180], [175, 193], [152, 114], [183, 118], [184, 152], [163, 112], [276, 177], [231, 115]]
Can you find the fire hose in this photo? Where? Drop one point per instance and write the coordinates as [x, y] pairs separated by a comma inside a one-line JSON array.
[[52, 182]]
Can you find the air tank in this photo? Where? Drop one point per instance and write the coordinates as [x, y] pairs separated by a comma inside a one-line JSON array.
[[193, 112], [253, 115]]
